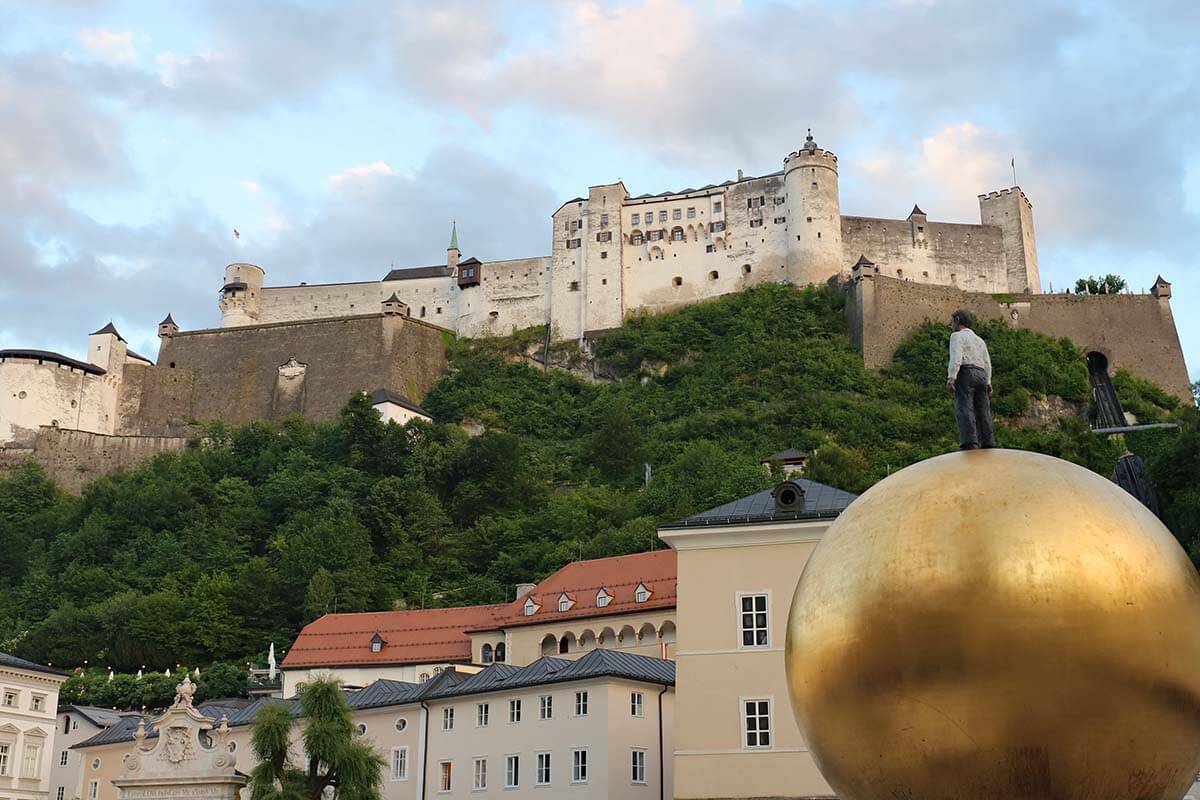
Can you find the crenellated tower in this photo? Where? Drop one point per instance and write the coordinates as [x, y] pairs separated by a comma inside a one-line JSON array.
[[1011, 211], [814, 245]]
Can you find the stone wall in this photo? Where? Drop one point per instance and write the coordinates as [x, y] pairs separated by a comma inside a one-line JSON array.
[[239, 375], [1136, 332], [73, 458], [947, 253]]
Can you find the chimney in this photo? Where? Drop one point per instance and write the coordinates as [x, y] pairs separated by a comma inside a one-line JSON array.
[[739, 175], [524, 589]]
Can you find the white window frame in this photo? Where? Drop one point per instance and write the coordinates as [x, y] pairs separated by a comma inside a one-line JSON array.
[[512, 770], [37, 702], [11, 698], [636, 764], [662, 215], [636, 219], [642, 593], [545, 706], [63, 757], [479, 774], [603, 598], [5, 758], [448, 718], [565, 602], [514, 710], [31, 760], [637, 704], [581, 703], [530, 607], [399, 758], [737, 607], [482, 713], [93, 790], [770, 701], [60, 793], [445, 777], [537, 772], [579, 765]]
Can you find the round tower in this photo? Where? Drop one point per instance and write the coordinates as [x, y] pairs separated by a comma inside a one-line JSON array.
[[241, 296], [814, 246]]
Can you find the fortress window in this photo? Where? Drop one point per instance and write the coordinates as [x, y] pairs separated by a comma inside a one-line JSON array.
[[422, 311], [692, 213], [172, 367], [808, 219], [677, 234], [662, 215], [717, 207], [814, 184], [712, 276], [710, 248], [574, 287], [780, 220], [818, 234], [493, 314], [925, 275], [745, 269], [654, 236], [636, 219], [604, 281], [604, 254], [780, 200], [604, 220], [899, 273], [716, 227], [677, 281], [438, 310], [572, 244], [756, 223], [677, 214], [604, 236], [636, 237]]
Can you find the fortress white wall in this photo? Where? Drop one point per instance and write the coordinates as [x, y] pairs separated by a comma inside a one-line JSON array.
[[33, 394], [317, 301], [970, 257], [511, 295]]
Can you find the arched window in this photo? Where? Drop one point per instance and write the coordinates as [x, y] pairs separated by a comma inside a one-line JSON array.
[[500, 653], [564, 645], [677, 281], [712, 276], [745, 269], [637, 237], [677, 234], [485, 654], [422, 311]]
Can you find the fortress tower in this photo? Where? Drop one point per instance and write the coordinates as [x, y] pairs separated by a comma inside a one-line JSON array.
[[1011, 211], [241, 296], [815, 215]]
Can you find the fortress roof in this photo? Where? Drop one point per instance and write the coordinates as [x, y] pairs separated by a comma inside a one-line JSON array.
[[109, 328], [820, 501], [410, 273], [168, 321], [917, 210], [388, 396], [57, 358]]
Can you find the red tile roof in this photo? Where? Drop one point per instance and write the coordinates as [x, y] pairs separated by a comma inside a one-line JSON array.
[[441, 634], [424, 636], [582, 580]]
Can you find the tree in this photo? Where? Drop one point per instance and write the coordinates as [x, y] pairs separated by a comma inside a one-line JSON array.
[[1109, 284], [223, 679], [616, 446], [336, 757]]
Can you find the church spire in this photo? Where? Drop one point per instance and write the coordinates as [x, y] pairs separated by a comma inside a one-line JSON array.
[[452, 252], [453, 235]]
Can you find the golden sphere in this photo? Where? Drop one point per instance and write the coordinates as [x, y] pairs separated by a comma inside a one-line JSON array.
[[998, 625]]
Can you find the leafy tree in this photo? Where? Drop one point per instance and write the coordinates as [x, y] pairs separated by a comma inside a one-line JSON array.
[[223, 679], [335, 756], [616, 446], [1109, 284]]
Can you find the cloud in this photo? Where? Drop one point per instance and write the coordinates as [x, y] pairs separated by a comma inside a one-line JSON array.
[[251, 186], [116, 47], [363, 171]]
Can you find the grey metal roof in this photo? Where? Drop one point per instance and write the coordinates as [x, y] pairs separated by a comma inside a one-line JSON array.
[[109, 328], [47, 355], [790, 454], [384, 692], [100, 717], [438, 271], [819, 501], [388, 396], [549, 670], [7, 660]]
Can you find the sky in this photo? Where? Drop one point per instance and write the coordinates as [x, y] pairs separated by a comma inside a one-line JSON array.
[[342, 138]]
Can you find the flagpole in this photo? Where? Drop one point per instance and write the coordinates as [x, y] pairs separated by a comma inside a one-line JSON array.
[[1014, 169]]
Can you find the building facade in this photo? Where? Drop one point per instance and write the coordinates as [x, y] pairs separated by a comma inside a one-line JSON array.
[[736, 736], [75, 724], [600, 726], [624, 603], [28, 700]]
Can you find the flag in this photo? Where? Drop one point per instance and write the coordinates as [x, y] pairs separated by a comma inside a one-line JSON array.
[[237, 234]]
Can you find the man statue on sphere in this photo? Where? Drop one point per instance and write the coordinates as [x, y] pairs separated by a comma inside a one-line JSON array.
[[969, 379]]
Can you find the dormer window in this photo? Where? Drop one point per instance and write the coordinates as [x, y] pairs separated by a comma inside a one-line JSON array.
[[377, 643], [642, 594], [530, 607], [565, 602], [603, 598]]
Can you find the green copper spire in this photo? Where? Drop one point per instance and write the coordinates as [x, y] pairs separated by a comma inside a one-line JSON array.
[[453, 236]]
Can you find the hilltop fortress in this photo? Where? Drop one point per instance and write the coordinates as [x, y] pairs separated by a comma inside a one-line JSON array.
[[303, 348]]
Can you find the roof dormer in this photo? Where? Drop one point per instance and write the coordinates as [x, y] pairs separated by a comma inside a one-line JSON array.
[[565, 601], [603, 598], [377, 643], [531, 607], [642, 593]]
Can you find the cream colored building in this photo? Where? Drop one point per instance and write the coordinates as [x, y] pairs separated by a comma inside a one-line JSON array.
[[75, 724], [28, 700], [738, 565], [601, 726]]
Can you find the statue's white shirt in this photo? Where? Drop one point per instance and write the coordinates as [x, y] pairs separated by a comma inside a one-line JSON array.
[[967, 349]]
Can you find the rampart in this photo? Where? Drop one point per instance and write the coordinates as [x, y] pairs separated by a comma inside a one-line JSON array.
[[1136, 332], [238, 375], [73, 458]]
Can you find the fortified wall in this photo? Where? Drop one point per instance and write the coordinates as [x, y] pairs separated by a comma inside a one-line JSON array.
[[1135, 332], [74, 458]]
